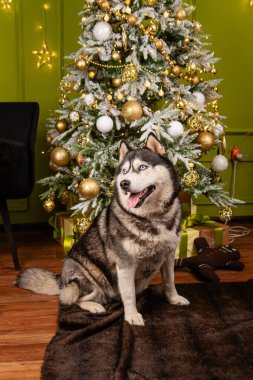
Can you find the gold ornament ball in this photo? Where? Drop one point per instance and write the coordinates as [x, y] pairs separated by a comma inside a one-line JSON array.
[[48, 205], [120, 96], [226, 214], [61, 125], [117, 82], [53, 167], [181, 14], [105, 5], [159, 44], [82, 225], [79, 158], [150, 3], [180, 104], [195, 79], [81, 64], [49, 138], [92, 74], [60, 156], [131, 19], [206, 140], [88, 188], [191, 178], [116, 56], [132, 110], [176, 70]]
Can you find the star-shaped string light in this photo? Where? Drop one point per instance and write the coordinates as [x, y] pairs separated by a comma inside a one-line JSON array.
[[44, 56], [6, 4]]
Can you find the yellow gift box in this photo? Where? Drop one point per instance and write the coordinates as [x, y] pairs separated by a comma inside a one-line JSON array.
[[186, 247]]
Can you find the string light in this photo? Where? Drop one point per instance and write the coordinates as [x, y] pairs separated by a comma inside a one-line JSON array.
[[251, 6], [6, 4], [44, 55]]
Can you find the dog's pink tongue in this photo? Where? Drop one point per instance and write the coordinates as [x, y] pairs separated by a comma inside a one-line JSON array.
[[134, 199]]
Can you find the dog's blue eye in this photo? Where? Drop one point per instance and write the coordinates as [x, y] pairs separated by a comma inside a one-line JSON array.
[[142, 167]]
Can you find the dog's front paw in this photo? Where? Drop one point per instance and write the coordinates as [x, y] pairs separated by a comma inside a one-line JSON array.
[[135, 319], [178, 300]]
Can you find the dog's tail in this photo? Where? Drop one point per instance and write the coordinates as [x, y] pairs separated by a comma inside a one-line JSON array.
[[39, 281]]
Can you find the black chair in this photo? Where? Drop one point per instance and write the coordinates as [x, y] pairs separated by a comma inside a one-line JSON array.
[[18, 126]]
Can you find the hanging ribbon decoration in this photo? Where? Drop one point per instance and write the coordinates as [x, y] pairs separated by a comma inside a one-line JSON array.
[[44, 55]]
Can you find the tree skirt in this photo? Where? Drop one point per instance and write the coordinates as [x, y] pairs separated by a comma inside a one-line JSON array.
[[210, 339]]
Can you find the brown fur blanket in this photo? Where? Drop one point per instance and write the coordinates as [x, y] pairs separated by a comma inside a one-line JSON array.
[[210, 339]]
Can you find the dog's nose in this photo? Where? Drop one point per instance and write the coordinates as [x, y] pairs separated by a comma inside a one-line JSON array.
[[125, 184]]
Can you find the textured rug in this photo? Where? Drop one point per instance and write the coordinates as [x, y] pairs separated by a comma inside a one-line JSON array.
[[210, 339]]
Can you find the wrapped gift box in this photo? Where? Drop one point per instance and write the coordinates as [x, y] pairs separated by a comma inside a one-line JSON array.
[[196, 225], [186, 246], [216, 235]]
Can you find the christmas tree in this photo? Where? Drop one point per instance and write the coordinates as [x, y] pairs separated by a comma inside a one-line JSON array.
[[143, 66]]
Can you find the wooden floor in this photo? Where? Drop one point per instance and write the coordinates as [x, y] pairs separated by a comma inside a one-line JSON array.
[[28, 321]]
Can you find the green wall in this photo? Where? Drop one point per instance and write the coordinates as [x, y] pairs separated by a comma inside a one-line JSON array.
[[21, 80], [230, 25], [228, 21]]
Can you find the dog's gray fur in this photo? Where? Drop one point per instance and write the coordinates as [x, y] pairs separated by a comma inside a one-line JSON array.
[[127, 243]]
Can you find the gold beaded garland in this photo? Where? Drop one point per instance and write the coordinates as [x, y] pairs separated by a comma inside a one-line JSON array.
[[176, 70], [132, 110], [60, 156], [226, 214], [159, 44], [89, 188]]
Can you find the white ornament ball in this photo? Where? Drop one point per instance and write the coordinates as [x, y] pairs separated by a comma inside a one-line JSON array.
[[74, 116], [89, 99], [175, 129], [199, 98], [219, 163], [102, 31], [104, 124], [218, 130]]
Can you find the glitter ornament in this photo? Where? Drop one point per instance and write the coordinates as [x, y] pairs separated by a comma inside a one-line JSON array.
[[195, 123], [132, 110], [88, 188], [104, 124], [191, 178], [82, 225], [199, 98], [48, 205], [89, 99], [175, 129], [225, 214], [61, 125], [219, 163], [130, 73], [60, 156], [206, 140], [74, 116], [102, 31]]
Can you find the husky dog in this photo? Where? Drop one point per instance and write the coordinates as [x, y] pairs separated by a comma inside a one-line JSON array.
[[132, 238]]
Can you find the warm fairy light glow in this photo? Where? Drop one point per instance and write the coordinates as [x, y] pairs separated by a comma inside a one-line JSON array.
[[44, 56], [6, 4], [46, 6]]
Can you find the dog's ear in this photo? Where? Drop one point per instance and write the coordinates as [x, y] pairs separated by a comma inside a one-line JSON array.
[[123, 150], [154, 144]]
